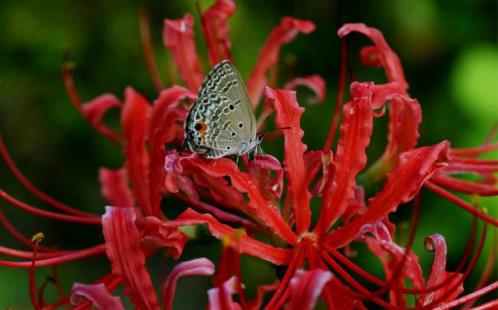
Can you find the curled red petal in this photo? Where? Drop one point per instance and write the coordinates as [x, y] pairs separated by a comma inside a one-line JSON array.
[[97, 294], [260, 168], [438, 275], [305, 288], [114, 187], [385, 54], [356, 131], [178, 36], [221, 297], [215, 28], [369, 56], [126, 257], [268, 56], [156, 235], [402, 184], [135, 118], [166, 124], [194, 267], [246, 245], [314, 82], [262, 208], [288, 114], [95, 110], [405, 113]]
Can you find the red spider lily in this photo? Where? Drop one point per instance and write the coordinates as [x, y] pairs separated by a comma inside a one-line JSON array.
[[287, 221], [239, 205], [147, 129]]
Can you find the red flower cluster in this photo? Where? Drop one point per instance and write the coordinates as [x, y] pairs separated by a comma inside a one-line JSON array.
[[262, 208]]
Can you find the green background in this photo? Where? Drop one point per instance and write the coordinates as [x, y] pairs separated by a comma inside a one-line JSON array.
[[448, 50]]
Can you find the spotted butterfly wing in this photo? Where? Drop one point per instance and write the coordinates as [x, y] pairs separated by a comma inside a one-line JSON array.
[[221, 121]]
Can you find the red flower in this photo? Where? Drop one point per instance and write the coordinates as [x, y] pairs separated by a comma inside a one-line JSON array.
[[264, 208]]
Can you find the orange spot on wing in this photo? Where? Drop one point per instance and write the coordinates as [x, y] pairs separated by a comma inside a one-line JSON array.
[[202, 130]]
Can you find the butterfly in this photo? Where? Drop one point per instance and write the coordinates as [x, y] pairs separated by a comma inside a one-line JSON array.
[[221, 121]]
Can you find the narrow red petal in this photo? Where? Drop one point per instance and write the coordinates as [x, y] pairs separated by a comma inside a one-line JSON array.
[[135, 118], [178, 36], [95, 110], [401, 186], [268, 56], [356, 131], [194, 267], [100, 298], [126, 257], [288, 114], [114, 187], [247, 245], [262, 208], [314, 82], [215, 28], [306, 287]]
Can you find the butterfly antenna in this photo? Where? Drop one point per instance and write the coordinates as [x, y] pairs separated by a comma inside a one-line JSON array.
[[268, 132]]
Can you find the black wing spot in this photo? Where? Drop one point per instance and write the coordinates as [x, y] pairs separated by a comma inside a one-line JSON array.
[[231, 107], [241, 125]]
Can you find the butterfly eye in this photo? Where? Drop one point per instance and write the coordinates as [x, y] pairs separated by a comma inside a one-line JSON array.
[[198, 126]]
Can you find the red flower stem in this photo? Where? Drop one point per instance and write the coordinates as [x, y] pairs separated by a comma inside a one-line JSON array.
[[488, 269], [470, 152], [32, 188], [49, 214], [489, 305], [19, 236], [74, 97], [27, 255], [295, 263], [148, 50], [57, 282], [356, 285], [474, 295], [64, 258], [217, 213], [475, 161], [32, 278], [339, 99], [67, 78], [461, 203], [398, 272], [41, 291]]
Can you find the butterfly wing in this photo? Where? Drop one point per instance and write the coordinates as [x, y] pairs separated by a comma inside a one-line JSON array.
[[221, 122]]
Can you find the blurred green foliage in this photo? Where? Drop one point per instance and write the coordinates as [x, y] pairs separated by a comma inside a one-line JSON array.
[[448, 50]]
